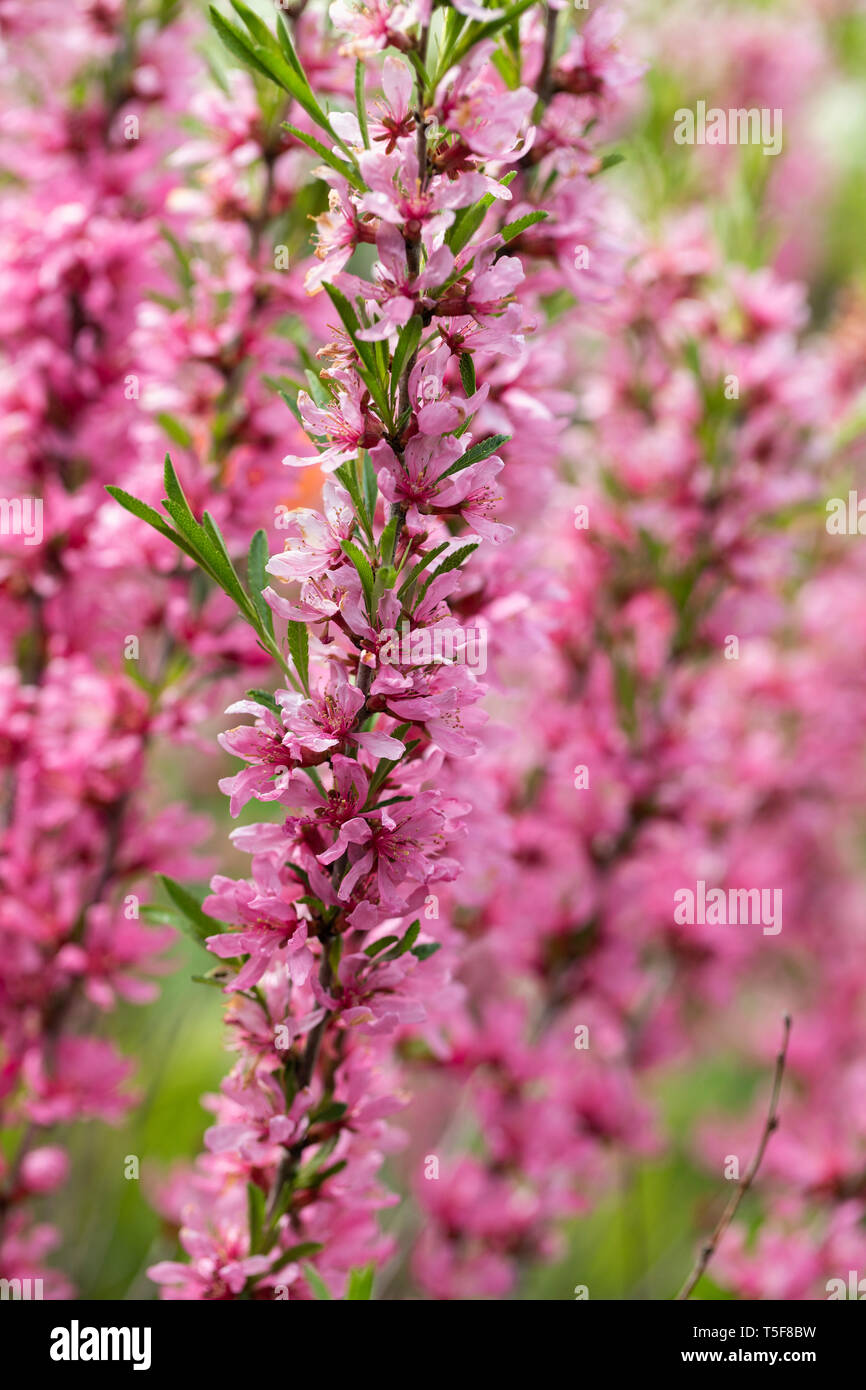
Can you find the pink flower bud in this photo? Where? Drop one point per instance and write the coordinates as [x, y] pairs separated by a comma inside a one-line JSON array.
[[42, 1170]]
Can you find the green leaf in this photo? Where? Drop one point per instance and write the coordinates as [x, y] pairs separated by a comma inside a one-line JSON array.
[[257, 27], [288, 47], [215, 978], [365, 351], [327, 1111], [365, 573], [159, 916], [271, 59], [511, 230], [454, 561], [361, 103], [420, 567], [407, 346], [201, 925], [175, 429], [181, 256], [406, 943], [282, 388], [478, 32], [467, 373], [255, 1214], [341, 165], [426, 949], [153, 518], [610, 161], [231, 579], [381, 945], [237, 43], [258, 579], [264, 697], [371, 486], [388, 540], [479, 451], [299, 650], [316, 1283], [361, 1284], [298, 1252], [468, 220]]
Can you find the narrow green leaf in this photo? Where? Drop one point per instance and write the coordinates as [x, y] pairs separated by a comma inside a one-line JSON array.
[[381, 945], [257, 27], [255, 1214], [406, 943], [468, 220], [476, 453], [299, 650], [327, 1112], [362, 565], [454, 561], [477, 33], [341, 165], [387, 541], [175, 429], [426, 950], [467, 373], [263, 697], [258, 579], [610, 161], [407, 346], [349, 478], [271, 60], [361, 1284], [232, 582], [361, 103], [364, 350], [299, 1252], [371, 486], [181, 256], [153, 518], [511, 230], [237, 43], [420, 567], [202, 925]]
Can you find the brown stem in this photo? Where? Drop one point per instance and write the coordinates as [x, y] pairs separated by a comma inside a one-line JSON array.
[[771, 1125], [545, 77]]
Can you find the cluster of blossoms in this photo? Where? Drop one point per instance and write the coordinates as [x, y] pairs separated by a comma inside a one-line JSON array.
[[331, 951]]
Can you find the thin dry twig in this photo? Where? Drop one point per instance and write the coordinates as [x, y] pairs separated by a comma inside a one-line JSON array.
[[708, 1250]]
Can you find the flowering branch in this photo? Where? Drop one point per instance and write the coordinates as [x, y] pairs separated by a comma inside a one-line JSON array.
[[321, 951]]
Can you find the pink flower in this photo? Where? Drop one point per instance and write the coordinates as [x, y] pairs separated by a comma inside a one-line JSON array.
[[314, 546]]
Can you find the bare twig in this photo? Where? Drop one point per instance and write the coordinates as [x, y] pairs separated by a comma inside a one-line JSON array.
[[772, 1124]]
